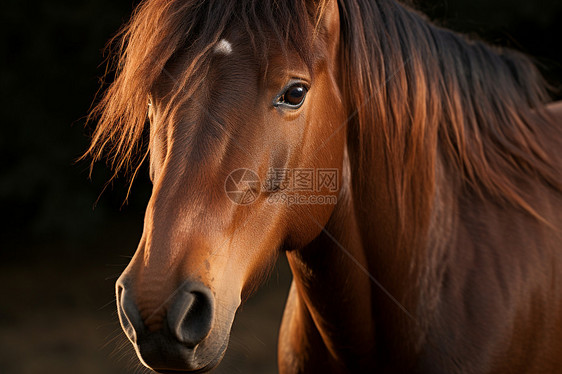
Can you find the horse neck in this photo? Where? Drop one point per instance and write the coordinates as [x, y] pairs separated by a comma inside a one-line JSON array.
[[405, 245], [360, 281], [333, 287]]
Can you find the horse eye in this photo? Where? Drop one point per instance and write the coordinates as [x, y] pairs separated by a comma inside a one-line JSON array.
[[294, 96]]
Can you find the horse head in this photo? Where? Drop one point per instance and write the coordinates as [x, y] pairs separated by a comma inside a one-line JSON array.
[[232, 113]]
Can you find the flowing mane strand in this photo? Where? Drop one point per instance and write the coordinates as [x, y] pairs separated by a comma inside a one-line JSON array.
[[422, 94], [416, 93], [159, 31]]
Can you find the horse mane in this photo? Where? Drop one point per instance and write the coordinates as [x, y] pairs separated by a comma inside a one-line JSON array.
[[421, 93], [415, 92], [161, 31]]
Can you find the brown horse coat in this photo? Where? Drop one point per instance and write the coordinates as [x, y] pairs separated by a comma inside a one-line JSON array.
[[443, 253]]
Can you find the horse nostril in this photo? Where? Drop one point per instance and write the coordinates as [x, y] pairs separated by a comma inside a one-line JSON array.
[[129, 315], [190, 315]]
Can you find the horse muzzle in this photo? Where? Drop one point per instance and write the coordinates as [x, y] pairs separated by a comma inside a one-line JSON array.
[[192, 336]]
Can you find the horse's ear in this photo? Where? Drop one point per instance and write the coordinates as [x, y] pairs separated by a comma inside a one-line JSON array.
[[328, 22]]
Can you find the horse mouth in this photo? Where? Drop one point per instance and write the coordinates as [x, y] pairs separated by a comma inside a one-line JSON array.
[[164, 359]]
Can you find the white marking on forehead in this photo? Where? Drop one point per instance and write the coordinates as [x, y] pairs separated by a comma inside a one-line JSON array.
[[223, 47]]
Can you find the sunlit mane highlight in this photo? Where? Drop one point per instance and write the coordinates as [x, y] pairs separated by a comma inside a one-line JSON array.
[[415, 93], [159, 31], [422, 94]]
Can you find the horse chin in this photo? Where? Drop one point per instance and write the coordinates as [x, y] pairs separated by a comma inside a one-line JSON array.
[[161, 356]]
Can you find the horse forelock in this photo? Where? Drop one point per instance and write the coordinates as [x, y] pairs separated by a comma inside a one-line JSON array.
[[188, 34]]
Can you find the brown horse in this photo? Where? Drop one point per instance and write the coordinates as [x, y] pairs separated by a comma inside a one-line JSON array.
[[443, 252]]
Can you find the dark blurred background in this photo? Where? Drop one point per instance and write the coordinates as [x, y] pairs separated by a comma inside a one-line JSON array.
[[59, 256]]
